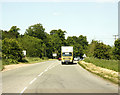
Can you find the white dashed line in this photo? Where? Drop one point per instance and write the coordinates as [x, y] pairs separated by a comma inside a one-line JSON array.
[[23, 90], [32, 80], [49, 67], [40, 74]]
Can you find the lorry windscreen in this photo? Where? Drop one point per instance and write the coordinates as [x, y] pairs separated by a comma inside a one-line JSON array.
[[67, 54]]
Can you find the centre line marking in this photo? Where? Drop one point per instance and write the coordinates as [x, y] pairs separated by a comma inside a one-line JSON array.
[[32, 80], [23, 90], [40, 74]]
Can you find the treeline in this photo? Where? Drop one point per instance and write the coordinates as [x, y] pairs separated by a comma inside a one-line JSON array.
[[100, 50], [39, 43]]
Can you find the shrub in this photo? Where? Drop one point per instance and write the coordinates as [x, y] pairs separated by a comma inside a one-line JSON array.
[[11, 49], [9, 61], [44, 58]]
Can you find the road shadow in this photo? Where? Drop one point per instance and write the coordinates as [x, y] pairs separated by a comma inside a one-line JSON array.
[[68, 63]]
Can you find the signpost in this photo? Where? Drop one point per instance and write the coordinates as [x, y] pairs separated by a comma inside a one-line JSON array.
[[54, 55], [24, 53]]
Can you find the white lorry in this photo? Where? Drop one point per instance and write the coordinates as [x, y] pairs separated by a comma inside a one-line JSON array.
[[67, 54]]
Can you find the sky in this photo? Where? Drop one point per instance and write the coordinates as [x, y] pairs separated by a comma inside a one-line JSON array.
[[95, 19]]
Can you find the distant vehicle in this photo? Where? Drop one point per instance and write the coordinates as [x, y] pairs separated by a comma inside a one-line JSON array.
[[76, 58], [67, 54], [59, 58]]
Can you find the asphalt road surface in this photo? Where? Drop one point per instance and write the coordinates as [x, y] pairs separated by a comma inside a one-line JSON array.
[[53, 77]]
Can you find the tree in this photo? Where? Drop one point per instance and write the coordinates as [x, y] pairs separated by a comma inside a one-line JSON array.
[[11, 49], [36, 30], [12, 33], [116, 50], [34, 46], [57, 39], [79, 44], [91, 47], [102, 51]]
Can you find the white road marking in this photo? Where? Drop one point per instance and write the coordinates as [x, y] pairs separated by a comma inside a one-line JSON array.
[[40, 74], [23, 90], [49, 67], [53, 66], [32, 80]]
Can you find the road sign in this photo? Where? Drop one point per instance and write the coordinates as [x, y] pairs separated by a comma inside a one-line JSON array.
[[24, 52], [84, 55], [54, 54]]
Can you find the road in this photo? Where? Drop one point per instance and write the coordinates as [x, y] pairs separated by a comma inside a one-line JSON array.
[[53, 77]]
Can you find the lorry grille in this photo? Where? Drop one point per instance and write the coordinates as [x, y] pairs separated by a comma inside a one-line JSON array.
[[66, 58]]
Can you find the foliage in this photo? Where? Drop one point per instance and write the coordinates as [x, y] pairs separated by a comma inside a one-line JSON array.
[[57, 39], [116, 50], [12, 33], [79, 44], [102, 51], [33, 59], [37, 31], [34, 46], [0, 48], [11, 49], [91, 47], [40, 44], [44, 58], [109, 64], [9, 61]]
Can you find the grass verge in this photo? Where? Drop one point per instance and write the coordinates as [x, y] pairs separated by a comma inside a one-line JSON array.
[[26, 60], [102, 72], [108, 64]]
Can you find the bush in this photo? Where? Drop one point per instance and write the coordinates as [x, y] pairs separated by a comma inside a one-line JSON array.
[[44, 58], [11, 49], [9, 61]]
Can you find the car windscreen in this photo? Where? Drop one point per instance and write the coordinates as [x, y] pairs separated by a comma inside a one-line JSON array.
[[67, 54]]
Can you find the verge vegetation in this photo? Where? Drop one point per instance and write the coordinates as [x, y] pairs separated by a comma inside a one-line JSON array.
[[109, 64], [107, 69], [25, 61]]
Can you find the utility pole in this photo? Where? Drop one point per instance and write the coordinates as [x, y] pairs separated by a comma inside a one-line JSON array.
[[115, 36]]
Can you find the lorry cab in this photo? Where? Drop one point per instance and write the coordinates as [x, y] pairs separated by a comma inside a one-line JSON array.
[[66, 54]]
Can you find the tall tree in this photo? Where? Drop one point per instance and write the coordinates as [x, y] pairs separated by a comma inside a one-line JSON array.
[[102, 51], [36, 30], [11, 49], [34, 46], [12, 33], [116, 50], [57, 38], [79, 44]]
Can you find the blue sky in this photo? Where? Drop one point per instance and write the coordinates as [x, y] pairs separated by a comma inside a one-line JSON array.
[[96, 20]]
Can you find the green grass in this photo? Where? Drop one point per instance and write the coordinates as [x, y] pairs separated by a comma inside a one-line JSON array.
[[30, 60], [26, 60], [1, 66], [109, 64]]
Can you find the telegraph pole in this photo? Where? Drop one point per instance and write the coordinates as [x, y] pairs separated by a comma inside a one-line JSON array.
[[115, 36]]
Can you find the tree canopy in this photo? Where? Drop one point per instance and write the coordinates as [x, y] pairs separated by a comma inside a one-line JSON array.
[[37, 31], [39, 43]]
